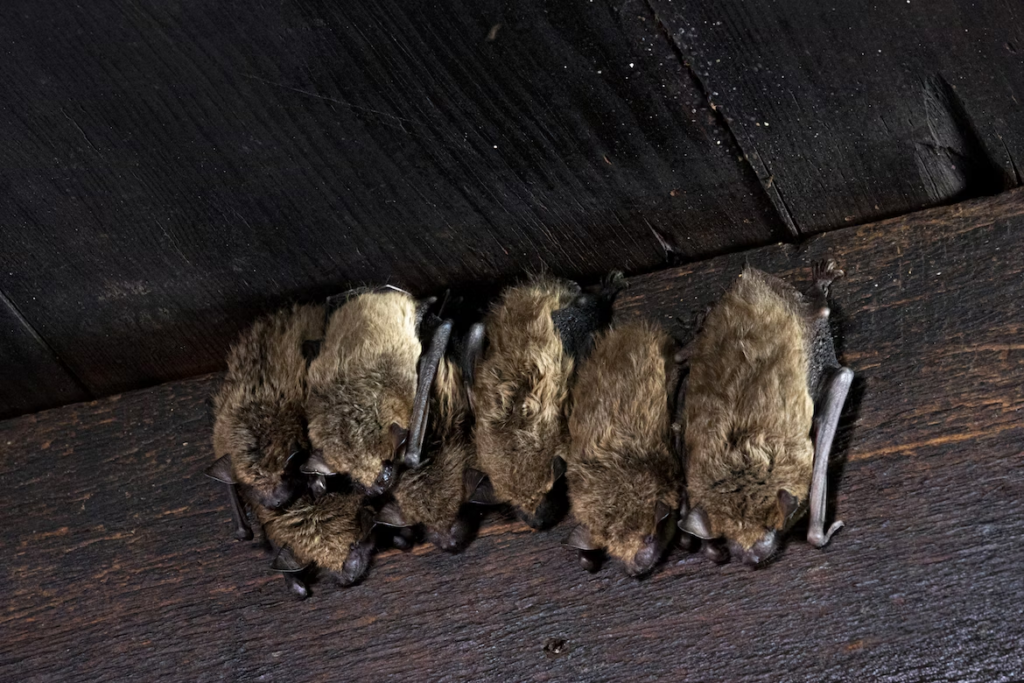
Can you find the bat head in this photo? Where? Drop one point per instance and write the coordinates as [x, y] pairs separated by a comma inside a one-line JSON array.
[[628, 514], [363, 439], [359, 552], [762, 493], [540, 501], [267, 445]]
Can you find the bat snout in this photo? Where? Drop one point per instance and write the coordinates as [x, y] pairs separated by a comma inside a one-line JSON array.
[[278, 497], [530, 520], [448, 542], [759, 553], [645, 558], [356, 564]]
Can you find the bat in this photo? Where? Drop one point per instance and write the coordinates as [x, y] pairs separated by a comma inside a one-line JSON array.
[[763, 400], [624, 476], [259, 429], [363, 399], [526, 350]]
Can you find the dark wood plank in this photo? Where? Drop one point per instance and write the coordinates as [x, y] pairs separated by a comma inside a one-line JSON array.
[[172, 169], [851, 111], [31, 376], [119, 561]]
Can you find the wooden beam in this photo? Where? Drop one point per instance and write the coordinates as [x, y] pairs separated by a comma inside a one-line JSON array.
[[118, 561], [173, 169], [850, 114], [31, 376]]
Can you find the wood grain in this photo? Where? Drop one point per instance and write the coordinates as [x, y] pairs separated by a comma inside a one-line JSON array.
[[119, 563], [853, 111], [31, 376], [172, 169]]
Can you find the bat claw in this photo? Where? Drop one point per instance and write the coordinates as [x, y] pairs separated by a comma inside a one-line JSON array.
[[825, 272], [819, 538]]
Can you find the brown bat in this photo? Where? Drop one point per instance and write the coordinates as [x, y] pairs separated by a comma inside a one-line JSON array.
[[520, 387], [260, 420], [330, 534], [624, 476], [436, 495], [763, 400], [362, 399]]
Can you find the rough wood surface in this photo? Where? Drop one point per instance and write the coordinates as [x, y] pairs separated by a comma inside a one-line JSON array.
[[31, 376], [171, 169], [852, 111], [118, 561]]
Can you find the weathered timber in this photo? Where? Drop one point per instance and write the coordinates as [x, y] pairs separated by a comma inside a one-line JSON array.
[[31, 375], [853, 111], [170, 170], [118, 561]]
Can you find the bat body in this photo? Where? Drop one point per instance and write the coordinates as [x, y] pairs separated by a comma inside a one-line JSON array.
[[520, 389], [330, 532], [436, 495], [260, 419], [763, 400], [362, 395], [624, 477]]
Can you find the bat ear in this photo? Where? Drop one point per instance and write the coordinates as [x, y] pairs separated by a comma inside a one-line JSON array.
[[484, 494], [221, 471], [391, 515], [471, 480], [316, 465], [296, 454], [788, 504], [399, 439], [557, 467], [366, 522], [285, 562], [661, 512], [581, 539], [696, 523]]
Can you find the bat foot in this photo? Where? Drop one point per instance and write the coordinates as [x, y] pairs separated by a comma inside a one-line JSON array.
[[296, 586], [819, 538], [825, 272]]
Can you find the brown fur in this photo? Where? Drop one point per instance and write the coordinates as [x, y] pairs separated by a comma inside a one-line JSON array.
[[521, 389], [260, 413], [620, 459], [328, 531], [363, 381], [748, 409], [433, 495]]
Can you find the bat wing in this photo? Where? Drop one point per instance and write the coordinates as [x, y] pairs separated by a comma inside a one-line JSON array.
[[221, 471], [421, 405], [826, 421]]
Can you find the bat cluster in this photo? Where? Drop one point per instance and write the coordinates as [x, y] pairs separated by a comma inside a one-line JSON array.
[[374, 419]]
